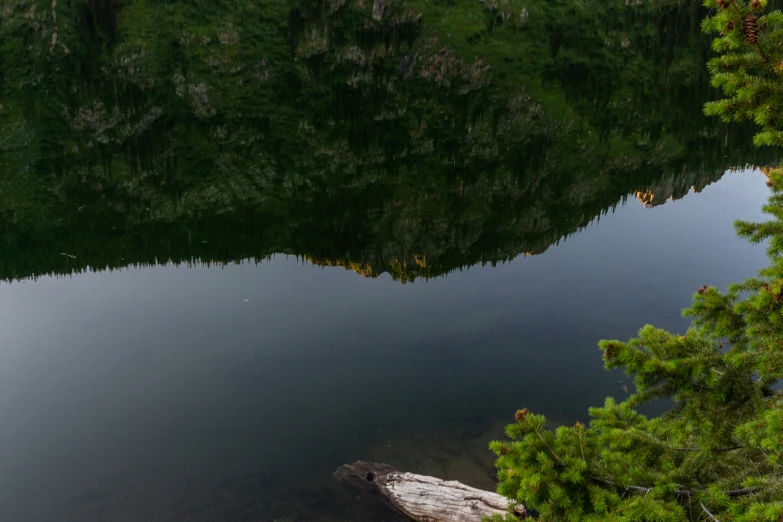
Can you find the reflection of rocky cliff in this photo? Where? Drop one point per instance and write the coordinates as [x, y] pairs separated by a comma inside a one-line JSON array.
[[349, 135], [766, 171], [535, 234], [672, 187]]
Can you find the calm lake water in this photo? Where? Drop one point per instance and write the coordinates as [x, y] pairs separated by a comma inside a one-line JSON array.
[[241, 245]]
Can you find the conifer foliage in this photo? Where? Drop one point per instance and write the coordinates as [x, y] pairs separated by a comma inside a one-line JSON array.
[[749, 68], [717, 454]]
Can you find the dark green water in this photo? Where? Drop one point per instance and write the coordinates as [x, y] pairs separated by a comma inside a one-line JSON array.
[[242, 243]]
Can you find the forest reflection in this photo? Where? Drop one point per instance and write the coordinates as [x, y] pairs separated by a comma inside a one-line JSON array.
[[348, 133]]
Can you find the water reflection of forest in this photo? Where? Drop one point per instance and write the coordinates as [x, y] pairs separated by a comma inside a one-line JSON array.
[[351, 133]]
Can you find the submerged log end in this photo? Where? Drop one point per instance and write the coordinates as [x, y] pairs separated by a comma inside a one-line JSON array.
[[425, 499]]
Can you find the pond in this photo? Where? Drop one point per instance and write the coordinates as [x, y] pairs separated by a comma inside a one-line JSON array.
[[243, 243]]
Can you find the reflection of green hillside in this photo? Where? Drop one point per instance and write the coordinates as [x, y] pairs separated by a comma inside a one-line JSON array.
[[410, 139]]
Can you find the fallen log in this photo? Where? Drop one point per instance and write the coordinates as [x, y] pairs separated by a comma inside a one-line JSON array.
[[425, 499]]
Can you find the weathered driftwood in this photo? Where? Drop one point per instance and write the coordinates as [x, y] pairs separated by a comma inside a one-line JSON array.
[[425, 499]]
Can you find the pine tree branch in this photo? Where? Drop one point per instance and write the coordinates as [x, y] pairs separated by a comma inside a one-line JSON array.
[[763, 54], [634, 488], [742, 16], [655, 440], [680, 492], [535, 430], [717, 450], [708, 512], [581, 444], [737, 492], [776, 49]]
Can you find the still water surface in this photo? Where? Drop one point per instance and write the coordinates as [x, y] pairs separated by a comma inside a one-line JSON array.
[[244, 243], [190, 393]]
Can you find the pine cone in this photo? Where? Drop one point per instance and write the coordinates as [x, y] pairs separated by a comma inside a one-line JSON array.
[[750, 28]]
